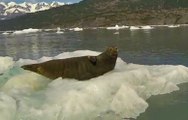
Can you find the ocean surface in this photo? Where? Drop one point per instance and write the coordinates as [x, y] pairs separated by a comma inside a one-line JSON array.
[[149, 81]]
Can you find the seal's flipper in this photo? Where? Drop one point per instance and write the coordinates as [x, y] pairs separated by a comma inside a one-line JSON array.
[[93, 59]]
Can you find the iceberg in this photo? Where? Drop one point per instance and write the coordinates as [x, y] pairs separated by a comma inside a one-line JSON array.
[[141, 27], [116, 33], [59, 31], [147, 27], [25, 31], [78, 29], [5, 33], [134, 28], [173, 26], [117, 27], [120, 93]]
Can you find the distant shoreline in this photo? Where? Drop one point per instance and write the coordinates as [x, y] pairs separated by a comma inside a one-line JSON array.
[[54, 18]]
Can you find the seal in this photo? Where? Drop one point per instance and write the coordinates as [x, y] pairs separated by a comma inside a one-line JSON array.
[[81, 68]]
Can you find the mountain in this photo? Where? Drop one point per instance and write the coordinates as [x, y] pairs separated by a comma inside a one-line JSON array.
[[12, 9], [96, 13]]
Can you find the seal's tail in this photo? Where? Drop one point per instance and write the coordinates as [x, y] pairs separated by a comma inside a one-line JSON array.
[[30, 67]]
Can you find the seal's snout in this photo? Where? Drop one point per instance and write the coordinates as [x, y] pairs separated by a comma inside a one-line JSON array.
[[115, 51]]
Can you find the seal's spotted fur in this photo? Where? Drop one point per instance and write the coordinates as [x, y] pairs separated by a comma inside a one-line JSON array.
[[81, 68]]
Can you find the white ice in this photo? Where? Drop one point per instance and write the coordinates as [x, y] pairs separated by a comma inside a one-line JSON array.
[[116, 33], [59, 31], [5, 33], [6, 63], [121, 93], [25, 31], [141, 27], [77, 29], [117, 27], [173, 26]]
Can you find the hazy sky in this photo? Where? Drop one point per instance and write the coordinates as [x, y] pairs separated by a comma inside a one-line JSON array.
[[18, 1]]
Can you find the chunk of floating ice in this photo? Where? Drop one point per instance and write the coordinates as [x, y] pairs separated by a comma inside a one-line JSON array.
[[25, 31], [134, 28], [5, 33], [141, 27], [173, 26], [78, 29], [59, 31], [146, 27], [58, 28], [120, 93], [117, 27], [116, 33]]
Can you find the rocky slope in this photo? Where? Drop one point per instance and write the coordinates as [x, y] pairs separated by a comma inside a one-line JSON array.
[[95, 13]]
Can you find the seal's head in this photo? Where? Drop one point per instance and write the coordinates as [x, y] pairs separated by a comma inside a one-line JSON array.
[[112, 51]]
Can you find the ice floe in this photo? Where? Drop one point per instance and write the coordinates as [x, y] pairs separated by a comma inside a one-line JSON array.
[[116, 33], [141, 27], [59, 31], [6, 33], [77, 29], [173, 26], [25, 31], [121, 93], [117, 27]]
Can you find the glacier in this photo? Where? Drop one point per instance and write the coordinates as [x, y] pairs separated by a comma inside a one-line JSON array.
[[11, 9], [121, 93]]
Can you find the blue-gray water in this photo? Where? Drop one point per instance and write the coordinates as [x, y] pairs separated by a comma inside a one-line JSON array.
[[158, 46]]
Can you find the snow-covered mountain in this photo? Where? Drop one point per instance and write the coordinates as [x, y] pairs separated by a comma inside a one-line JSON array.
[[12, 9]]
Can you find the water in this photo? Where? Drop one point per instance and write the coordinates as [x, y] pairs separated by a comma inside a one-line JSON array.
[[172, 106], [156, 46], [159, 46]]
